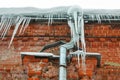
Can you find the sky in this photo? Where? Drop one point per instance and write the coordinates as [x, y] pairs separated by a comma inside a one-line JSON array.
[[93, 4]]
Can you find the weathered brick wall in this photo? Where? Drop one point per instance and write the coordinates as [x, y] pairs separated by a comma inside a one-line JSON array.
[[104, 39], [101, 38]]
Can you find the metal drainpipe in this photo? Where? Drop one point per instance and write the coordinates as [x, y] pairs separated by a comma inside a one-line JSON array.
[[63, 51], [62, 71], [63, 48]]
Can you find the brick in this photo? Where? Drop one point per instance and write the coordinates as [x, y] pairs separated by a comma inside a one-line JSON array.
[[102, 39], [87, 73], [38, 73], [113, 39], [29, 57], [31, 73], [46, 39], [33, 79], [35, 38], [45, 60], [91, 39]]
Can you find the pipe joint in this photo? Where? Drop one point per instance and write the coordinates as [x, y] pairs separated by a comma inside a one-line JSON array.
[[63, 66]]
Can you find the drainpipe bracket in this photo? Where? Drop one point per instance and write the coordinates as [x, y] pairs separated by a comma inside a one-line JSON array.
[[63, 66]]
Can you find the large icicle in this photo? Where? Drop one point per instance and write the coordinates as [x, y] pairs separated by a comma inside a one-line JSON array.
[[77, 32], [83, 45], [23, 24], [2, 22], [26, 23], [6, 23], [49, 20], [8, 20], [5, 26], [19, 21], [8, 26]]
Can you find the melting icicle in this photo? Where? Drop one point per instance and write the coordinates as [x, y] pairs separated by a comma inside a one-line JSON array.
[[51, 19], [78, 54], [23, 24], [98, 18], [8, 27], [19, 21], [83, 46], [109, 18], [26, 24], [75, 22], [2, 22], [77, 33], [4, 27], [48, 20]]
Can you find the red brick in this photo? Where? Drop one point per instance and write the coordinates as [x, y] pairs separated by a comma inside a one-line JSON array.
[[45, 60], [25, 39], [102, 39], [35, 38], [91, 39], [87, 73], [113, 39], [33, 79], [38, 73]]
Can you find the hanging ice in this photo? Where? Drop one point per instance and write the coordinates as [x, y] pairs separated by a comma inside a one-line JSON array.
[[76, 24], [9, 20]]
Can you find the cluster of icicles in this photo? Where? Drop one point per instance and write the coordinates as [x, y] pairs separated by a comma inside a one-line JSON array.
[[8, 21], [16, 17], [76, 27], [77, 34]]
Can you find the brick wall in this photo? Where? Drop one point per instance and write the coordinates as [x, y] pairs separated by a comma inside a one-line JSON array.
[[101, 38], [104, 39]]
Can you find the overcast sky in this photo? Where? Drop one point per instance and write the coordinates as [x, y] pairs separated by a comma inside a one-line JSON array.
[[99, 4]]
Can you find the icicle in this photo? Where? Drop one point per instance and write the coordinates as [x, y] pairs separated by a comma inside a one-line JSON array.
[[75, 22], [51, 19], [109, 18], [83, 61], [23, 24], [48, 20], [98, 18], [78, 59], [8, 27], [77, 32], [82, 35], [102, 17], [83, 45], [2, 22], [79, 24], [18, 20], [92, 16], [26, 24], [4, 26]]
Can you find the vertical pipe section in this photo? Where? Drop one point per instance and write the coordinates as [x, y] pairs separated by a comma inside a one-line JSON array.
[[62, 71], [73, 15], [63, 59]]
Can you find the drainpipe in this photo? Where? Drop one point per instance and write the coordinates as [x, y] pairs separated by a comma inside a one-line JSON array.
[[63, 51], [73, 24]]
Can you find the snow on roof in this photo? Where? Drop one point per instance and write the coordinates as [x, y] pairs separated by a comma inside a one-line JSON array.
[[57, 10]]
